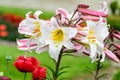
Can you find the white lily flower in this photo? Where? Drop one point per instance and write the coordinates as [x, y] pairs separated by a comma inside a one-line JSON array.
[[57, 37], [98, 31], [31, 27]]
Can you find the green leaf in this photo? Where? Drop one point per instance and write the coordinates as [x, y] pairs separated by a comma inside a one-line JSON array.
[[68, 54], [102, 76], [48, 77], [70, 51], [65, 67], [61, 73], [65, 79], [52, 70]]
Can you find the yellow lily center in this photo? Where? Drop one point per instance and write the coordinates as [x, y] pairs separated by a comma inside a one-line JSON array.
[[91, 36], [37, 29], [57, 36]]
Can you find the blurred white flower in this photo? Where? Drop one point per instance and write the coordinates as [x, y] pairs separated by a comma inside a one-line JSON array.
[[97, 32]]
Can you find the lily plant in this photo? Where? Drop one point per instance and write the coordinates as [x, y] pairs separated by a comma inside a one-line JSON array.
[[82, 31]]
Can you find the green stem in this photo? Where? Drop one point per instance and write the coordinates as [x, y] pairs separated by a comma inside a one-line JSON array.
[[25, 75], [58, 64], [97, 70], [7, 68]]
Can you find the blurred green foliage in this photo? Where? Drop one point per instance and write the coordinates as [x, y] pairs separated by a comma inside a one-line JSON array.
[[114, 21], [115, 7], [116, 75], [17, 12], [23, 11]]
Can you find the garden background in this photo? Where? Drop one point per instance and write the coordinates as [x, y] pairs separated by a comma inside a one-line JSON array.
[[13, 11]]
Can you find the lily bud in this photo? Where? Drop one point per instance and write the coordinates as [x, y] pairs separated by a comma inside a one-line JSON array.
[[92, 12], [116, 36], [110, 55], [116, 46]]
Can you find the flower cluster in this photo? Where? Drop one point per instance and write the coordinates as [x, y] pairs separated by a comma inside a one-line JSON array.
[[83, 30], [30, 64]]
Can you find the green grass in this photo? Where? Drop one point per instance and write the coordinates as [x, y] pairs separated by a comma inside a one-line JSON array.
[[23, 11], [77, 64]]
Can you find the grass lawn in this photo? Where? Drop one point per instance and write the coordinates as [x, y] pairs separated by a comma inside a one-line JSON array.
[[23, 11], [78, 65]]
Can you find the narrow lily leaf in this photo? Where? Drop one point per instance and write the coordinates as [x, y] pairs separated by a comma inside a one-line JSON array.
[[102, 76], [89, 70], [48, 77], [70, 55], [52, 70], [92, 12], [61, 73], [65, 67], [65, 78], [69, 51]]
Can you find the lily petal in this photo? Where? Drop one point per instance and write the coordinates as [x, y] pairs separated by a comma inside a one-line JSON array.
[[54, 51], [42, 49], [25, 47], [69, 32], [69, 45], [63, 12], [54, 22], [104, 7], [22, 41], [28, 14], [93, 49], [37, 13]]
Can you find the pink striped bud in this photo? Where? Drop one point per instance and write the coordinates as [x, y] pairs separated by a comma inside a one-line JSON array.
[[92, 12], [116, 36], [116, 46], [110, 55]]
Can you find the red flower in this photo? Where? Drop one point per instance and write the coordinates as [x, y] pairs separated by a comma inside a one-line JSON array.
[[3, 32], [2, 27], [26, 64], [39, 73], [4, 78], [12, 18]]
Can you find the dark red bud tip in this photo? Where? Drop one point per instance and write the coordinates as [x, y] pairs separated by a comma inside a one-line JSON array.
[[4, 78], [85, 6]]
